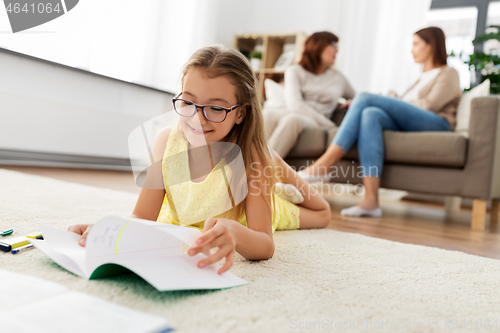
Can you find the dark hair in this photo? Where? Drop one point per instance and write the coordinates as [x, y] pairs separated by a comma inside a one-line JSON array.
[[434, 36], [313, 47]]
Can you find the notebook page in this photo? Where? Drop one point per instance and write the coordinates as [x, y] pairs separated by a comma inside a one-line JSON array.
[[181, 273], [17, 290], [117, 239], [154, 251], [77, 312], [186, 234], [62, 247]]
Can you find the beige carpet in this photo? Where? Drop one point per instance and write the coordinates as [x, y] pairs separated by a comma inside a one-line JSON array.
[[321, 280]]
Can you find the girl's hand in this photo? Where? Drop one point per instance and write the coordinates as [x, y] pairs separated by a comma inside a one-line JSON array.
[[216, 233], [81, 229]]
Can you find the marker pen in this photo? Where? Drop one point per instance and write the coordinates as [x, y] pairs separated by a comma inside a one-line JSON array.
[[21, 248], [6, 232], [12, 243]]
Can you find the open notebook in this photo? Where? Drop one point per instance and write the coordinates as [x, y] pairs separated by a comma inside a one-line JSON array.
[[152, 250]]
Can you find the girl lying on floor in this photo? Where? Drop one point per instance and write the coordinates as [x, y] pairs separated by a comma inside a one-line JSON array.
[[219, 104]]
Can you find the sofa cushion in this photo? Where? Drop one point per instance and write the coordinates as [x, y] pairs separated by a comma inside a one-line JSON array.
[[425, 148], [311, 143], [463, 108]]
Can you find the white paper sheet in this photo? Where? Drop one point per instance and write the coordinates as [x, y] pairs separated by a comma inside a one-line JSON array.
[[18, 290], [79, 313], [30, 304], [62, 246]]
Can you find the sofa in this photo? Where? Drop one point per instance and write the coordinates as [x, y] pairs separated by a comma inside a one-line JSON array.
[[465, 164]]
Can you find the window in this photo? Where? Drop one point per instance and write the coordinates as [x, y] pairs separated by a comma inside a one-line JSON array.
[[492, 46], [459, 26]]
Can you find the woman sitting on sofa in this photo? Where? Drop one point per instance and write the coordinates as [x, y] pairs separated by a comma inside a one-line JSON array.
[[312, 90], [429, 105]]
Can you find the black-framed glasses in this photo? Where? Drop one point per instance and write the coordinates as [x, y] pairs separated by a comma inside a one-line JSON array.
[[213, 113]]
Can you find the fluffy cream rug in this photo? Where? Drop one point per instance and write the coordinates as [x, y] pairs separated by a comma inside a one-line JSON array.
[[318, 280]]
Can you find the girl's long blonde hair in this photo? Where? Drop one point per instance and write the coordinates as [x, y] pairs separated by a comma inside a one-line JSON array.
[[220, 61]]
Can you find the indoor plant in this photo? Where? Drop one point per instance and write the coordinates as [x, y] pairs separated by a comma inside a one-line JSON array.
[[255, 60], [486, 65]]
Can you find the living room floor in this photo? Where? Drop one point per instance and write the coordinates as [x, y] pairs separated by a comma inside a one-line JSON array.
[[404, 220]]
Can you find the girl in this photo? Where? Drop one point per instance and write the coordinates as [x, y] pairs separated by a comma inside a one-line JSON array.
[[219, 108], [429, 105], [312, 91]]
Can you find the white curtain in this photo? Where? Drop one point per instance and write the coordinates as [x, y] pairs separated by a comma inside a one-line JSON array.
[[375, 35], [376, 42], [149, 41]]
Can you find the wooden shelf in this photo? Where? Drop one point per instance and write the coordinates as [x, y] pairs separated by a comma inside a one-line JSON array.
[[272, 46], [269, 71]]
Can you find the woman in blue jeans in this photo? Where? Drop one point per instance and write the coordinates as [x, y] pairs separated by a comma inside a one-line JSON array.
[[429, 105]]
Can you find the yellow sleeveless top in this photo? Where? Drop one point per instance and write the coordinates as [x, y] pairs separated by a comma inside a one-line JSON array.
[[190, 203]]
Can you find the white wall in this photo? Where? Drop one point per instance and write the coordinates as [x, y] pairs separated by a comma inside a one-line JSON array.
[[51, 110], [375, 35], [149, 41]]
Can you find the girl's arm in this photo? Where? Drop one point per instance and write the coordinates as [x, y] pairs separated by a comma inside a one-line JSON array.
[[253, 242], [153, 191]]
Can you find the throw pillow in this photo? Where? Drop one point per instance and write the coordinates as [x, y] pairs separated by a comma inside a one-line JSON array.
[[463, 109], [275, 95]]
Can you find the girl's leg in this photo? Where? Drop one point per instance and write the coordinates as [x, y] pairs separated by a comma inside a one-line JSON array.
[[314, 210]]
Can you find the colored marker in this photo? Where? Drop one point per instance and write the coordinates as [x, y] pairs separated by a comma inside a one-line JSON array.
[[22, 248], [34, 235], [6, 232], [13, 243]]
